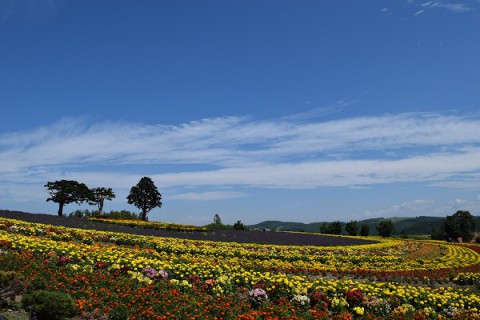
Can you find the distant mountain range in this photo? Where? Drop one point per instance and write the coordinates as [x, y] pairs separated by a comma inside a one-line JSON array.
[[413, 226]]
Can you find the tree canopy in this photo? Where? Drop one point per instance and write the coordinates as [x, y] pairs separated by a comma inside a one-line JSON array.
[[217, 219], [459, 226], [385, 228], [334, 227], [64, 192], [145, 196], [352, 228], [99, 195], [364, 230]]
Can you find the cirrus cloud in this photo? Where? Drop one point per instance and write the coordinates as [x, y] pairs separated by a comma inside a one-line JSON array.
[[288, 153]]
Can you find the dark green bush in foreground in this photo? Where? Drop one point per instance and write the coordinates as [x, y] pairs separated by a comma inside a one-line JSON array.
[[49, 305]]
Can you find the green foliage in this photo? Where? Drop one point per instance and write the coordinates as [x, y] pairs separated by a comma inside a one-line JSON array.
[[352, 228], [385, 228], [239, 225], [6, 277], [83, 213], [64, 192], [460, 225], [11, 285], [49, 305], [217, 219], [123, 214], [364, 230], [218, 225], [334, 227], [438, 233], [420, 225], [119, 313], [99, 195], [324, 228], [403, 234], [215, 226], [287, 226], [145, 196]]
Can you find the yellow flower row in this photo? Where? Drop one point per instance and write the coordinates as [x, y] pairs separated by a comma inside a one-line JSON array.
[[147, 224], [227, 276], [387, 255], [231, 264]]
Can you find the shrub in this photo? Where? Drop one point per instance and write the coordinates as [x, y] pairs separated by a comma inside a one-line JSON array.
[[11, 284], [83, 214], [214, 226], [123, 214], [239, 226], [49, 305], [218, 225], [6, 277]]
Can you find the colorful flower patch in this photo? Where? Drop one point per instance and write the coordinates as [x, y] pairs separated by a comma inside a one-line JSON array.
[[164, 278]]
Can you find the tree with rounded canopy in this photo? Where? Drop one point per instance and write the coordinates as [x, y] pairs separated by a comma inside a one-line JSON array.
[[334, 227], [460, 225], [145, 196], [64, 192], [364, 230], [217, 220], [385, 228], [99, 195], [352, 228]]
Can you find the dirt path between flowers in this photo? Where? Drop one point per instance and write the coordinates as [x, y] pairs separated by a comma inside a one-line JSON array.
[[259, 237]]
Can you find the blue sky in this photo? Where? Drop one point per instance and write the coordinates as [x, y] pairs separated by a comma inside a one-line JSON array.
[[254, 110]]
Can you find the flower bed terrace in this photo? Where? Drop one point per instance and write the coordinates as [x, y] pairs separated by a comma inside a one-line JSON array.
[[229, 280]]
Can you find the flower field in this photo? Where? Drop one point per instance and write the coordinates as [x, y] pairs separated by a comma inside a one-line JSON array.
[[127, 276], [149, 224]]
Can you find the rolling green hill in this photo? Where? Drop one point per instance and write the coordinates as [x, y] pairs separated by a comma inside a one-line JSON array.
[[413, 226]]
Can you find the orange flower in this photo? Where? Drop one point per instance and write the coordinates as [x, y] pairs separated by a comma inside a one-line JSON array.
[[210, 282]]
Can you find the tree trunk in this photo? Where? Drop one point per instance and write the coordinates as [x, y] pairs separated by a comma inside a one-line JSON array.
[[100, 207], [60, 209], [144, 214]]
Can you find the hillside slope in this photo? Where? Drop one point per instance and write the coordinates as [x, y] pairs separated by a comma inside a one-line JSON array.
[[413, 226]]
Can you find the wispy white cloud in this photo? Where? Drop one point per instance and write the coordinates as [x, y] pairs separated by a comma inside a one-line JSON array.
[[336, 107], [453, 7], [208, 196], [229, 141], [359, 187], [425, 207], [419, 207], [310, 174], [229, 151], [462, 182]]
